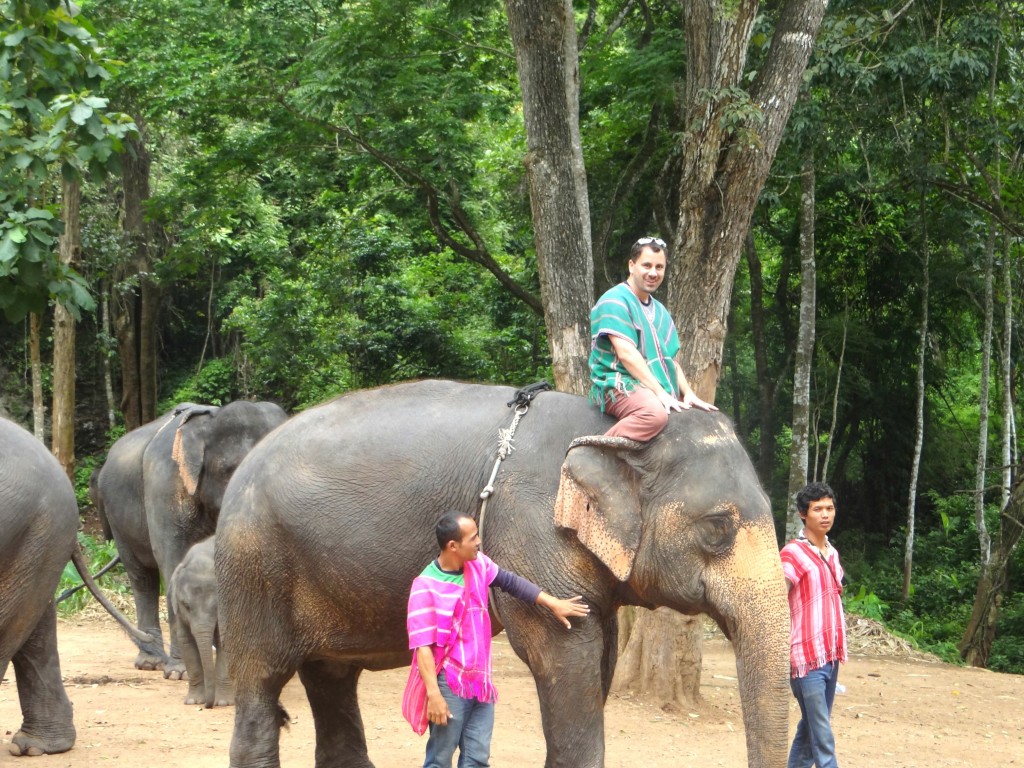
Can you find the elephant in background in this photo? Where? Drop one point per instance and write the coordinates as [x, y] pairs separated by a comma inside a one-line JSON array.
[[326, 523], [38, 536], [159, 492], [192, 591]]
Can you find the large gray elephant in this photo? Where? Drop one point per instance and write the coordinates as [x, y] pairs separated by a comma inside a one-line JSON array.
[[326, 523], [159, 492], [38, 536]]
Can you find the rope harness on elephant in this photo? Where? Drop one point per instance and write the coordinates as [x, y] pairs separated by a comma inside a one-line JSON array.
[[521, 400]]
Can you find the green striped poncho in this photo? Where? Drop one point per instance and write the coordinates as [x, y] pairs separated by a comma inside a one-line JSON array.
[[619, 313]]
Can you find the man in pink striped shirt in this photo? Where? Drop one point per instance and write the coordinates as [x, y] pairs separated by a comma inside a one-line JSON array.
[[817, 640], [450, 632]]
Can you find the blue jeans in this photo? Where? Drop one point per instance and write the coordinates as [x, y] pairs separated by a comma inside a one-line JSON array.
[[814, 743], [469, 730]]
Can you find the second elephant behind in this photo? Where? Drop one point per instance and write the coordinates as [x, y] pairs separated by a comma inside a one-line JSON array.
[[160, 490]]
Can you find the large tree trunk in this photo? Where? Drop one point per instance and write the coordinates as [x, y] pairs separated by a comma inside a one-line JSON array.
[[724, 169], [63, 430], [976, 643], [136, 297], [544, 36], [798, 450], [723, 173]]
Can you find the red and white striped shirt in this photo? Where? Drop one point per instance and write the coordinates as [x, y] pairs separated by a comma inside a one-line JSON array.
[[817, 626]]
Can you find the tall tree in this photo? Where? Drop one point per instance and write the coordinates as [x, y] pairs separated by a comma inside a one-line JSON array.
[[802, 433], [544, 37]]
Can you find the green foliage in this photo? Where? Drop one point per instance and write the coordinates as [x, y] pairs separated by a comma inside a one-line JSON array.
[[97, 555], [865, 603], [51, 117], [216, 383]]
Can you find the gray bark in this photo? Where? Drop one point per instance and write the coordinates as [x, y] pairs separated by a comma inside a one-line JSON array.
[[35, 334], [798, 449], [915, 466], [984, 539], [544, 36], [724, 168], [63, 427]]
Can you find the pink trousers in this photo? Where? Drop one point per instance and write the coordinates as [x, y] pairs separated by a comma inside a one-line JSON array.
[[640, 415]]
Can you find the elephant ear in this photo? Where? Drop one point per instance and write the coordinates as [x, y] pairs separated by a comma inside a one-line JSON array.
[[189, 448], [599, 499]]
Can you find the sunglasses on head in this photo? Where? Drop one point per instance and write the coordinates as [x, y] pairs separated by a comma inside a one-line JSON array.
[[657, 241]]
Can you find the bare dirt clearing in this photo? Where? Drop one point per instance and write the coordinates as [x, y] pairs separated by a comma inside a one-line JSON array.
[[897, 711]]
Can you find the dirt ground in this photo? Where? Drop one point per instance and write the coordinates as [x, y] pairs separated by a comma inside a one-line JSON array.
[[897, 710]]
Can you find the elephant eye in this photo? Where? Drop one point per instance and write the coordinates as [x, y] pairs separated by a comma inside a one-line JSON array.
[[716, 532]]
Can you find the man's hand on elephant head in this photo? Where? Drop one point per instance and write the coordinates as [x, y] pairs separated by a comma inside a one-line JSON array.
[[564, 608]]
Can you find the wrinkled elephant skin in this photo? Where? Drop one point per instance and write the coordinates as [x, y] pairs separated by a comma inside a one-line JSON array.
[[326, 523], [38, 526], [193, 594]]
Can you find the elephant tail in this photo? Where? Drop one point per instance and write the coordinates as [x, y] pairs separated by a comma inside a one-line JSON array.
[[283, 718], [145, 642]]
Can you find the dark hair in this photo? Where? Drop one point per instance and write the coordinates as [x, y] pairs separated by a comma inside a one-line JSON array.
[[812, 492], [656, 244], [448, 529]]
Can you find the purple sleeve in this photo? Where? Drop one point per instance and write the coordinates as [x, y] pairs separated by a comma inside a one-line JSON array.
[[517, 586]]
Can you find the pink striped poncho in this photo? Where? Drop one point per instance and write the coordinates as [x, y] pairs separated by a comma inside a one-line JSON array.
[[818, 627], [449, 611]]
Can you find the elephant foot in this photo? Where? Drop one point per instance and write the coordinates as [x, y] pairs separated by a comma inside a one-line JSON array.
[[149, 662], [26, 745], [195, 696], [224, 701], [175, 670]]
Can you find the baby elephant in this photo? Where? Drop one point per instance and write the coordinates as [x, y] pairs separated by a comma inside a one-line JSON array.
[[193, 592]]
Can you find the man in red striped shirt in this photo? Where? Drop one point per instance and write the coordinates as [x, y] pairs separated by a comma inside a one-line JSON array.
[[817, 639]]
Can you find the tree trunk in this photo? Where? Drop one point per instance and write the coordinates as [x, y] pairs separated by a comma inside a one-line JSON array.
[[984, 538], [798, 449], [35, 335], [1009, 417], [723, 171], [915, 466], [544, 36], [136, 296], [63, 428], [765, 385], [980, 633], [105, 352], [651, 642]]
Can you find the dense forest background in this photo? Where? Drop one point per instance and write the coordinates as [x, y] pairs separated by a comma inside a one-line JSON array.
[[289, 200]]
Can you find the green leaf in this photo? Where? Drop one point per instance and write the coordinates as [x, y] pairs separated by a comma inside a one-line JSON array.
[[80, 113], [8, 251]]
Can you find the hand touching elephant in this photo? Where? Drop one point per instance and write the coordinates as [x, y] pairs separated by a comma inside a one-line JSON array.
[[159, 492], [328, 520]]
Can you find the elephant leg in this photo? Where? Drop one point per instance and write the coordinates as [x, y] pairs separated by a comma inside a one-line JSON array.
[[225, 688], [47, 727], [146, 588], [331, 690], [192, 656], [259, 717], [569, 668]]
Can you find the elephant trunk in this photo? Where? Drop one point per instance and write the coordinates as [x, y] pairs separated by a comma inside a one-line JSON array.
[[754, 613], [205, 641]]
